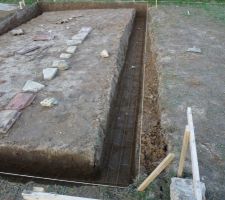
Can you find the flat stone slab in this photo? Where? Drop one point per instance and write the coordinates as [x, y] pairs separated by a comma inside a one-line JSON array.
[[7, 119], [60, 64], [71, 134], [182, 189], [20, 101], [71, 49], [32, 86], [49, 73], [65, 55]]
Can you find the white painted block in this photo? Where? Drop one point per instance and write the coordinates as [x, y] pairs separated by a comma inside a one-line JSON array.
[[61, 64]]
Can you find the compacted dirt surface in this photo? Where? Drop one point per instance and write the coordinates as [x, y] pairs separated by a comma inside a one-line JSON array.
[[196, 80], [74, 129]]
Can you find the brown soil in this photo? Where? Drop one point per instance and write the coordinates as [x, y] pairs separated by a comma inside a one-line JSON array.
[[153, 144]]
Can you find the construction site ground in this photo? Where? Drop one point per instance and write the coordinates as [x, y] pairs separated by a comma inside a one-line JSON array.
[[183, 79]]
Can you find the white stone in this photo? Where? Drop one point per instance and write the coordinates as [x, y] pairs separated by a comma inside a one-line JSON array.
[[61, 64], [32, 86], [86, 29], [71, 49], [104, 54], [17, 31], [49, 102], [49, 73], [65, 55], [80, 36], [182, 189], [73, 42], [194, 50]]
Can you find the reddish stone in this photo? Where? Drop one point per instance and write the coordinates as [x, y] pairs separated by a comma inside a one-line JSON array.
[[20, 101], [2, 81], [42, 37]]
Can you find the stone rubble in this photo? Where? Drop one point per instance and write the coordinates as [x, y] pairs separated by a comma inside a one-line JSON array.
[[194, 49]]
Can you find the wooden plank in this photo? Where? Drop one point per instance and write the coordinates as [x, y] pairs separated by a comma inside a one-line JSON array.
[[156, 172], [31, 195], [183, 152], [194, 157]]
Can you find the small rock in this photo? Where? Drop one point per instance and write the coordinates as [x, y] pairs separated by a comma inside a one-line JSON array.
[[17, 31], [188, 12], [80, 36], [49, 102], [65, 55], [73, 42], [61, 64], [71, 49], [7, 119], [194, 50], [104, 54], [32, 86], [49, 73], [182, 189], [133, 67]]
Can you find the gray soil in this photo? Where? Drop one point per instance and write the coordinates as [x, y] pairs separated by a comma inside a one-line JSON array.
[[74, 129], [195, 80]]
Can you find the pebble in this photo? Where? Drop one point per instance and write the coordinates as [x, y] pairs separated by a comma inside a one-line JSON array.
[[71, 49], [49, 73], [61, 64], [104, 54], [17, 31], [32, 86], [49, 102], [65, 55]]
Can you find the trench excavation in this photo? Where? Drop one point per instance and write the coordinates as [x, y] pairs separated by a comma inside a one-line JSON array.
[[118, 158], [118, 163]]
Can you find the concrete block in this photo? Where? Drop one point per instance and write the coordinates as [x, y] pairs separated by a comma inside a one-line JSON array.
[[49, 73], [71, 49], [65, 55], [32, 86], [182, 189]]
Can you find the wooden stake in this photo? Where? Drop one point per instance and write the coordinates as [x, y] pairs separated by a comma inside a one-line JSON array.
[[194, 157], [156, 172], [183, 152]]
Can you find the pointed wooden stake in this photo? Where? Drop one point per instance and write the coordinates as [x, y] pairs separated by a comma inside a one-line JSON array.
[[183, 152]]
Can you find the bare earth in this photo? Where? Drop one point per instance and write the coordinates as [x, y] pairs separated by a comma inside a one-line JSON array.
[[195, 80], [76, 125], [186, 79]]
